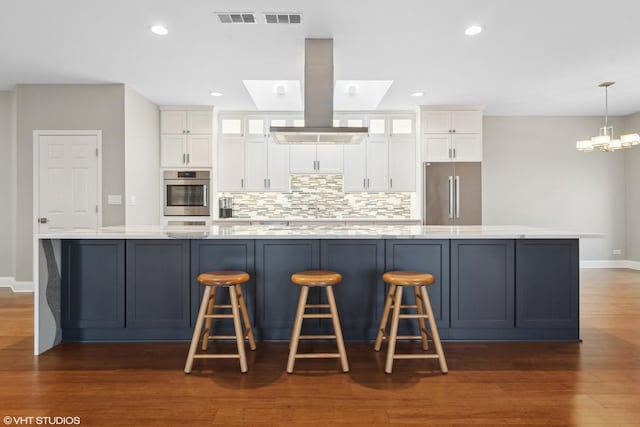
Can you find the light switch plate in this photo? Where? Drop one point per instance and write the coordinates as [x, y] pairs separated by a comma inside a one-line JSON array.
[[114, 199]]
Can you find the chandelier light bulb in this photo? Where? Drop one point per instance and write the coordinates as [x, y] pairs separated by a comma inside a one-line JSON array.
[[606, 141]]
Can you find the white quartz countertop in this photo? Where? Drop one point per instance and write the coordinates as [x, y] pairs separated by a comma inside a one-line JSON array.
[[328, 231], [307, 220]]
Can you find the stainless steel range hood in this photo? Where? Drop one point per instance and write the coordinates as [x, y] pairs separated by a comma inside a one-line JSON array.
[[318, 103]]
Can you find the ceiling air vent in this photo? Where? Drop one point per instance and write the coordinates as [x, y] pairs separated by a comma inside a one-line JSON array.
[[283, 18], [237, 17]]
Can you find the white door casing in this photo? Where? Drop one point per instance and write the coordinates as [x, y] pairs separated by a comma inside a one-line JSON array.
[[67, 180]]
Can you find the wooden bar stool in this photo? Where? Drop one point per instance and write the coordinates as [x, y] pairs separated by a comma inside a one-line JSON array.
[[397, 281], [212, 281], [325, 279]]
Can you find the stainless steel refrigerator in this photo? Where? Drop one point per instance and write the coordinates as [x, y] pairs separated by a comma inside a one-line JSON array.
[[452, 193]]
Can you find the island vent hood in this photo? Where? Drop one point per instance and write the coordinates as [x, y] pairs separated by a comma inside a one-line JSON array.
[[318, 103]]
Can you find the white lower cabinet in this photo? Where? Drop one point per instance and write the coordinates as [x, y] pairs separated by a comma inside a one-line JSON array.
[[185, 151]]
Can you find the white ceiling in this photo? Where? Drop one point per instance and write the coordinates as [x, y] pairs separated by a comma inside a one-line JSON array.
[[535, 57]]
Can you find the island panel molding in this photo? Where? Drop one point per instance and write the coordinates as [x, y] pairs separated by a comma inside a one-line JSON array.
[[480, 289]]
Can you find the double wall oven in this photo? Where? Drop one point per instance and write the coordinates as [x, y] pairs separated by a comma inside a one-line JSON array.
[[186, 193]]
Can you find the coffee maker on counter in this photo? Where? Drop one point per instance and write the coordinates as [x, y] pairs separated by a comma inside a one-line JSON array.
[[226, 207]]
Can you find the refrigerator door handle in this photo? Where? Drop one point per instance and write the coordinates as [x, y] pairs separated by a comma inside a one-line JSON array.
[[451, 197], [457, 196]]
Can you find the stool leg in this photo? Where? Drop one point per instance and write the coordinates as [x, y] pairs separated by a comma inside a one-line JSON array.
[[245, 317], [207, 325], [434, 330], [238, 328], [385, 317], [393, 333], [197, 330], [336, 327], [297, 327], [423, 328]]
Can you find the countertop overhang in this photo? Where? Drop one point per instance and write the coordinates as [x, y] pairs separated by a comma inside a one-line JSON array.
[[328, 231]]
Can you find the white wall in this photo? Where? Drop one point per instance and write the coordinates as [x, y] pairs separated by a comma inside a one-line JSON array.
[[66, 107], [533, 175], [632, 172], [142, 159], [7, 185]]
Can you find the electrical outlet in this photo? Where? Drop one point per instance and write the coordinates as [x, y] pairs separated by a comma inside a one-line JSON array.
[[617, 252]]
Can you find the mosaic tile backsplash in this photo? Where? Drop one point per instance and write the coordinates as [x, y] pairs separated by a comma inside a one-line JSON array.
[[321, 196]]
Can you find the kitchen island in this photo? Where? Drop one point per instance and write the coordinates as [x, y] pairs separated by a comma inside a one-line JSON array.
[[139, 283]]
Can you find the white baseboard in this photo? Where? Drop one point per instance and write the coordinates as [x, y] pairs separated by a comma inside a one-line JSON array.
[[10, 282], [617, 263]]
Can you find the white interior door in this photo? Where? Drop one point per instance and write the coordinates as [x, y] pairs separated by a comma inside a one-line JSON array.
[[68, 182]]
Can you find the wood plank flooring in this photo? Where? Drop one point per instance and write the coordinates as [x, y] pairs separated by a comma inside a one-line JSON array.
[[593, 383]]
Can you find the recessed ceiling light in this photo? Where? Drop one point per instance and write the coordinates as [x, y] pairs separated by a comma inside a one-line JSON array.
[[473, 30], [215, 94], [159, 30], [416, 94]]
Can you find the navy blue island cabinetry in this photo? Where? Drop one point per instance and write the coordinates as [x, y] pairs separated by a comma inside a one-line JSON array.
[[485, 289]]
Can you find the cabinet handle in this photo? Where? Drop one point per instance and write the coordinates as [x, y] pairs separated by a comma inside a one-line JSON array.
[[364, 182], [390, 182], [188, 131], [454, 131], [188, 158], [454, 153], [268, 182], [318, 164], [241, 182], [184, 158], [368, 183], [450, 154], [184, 131]]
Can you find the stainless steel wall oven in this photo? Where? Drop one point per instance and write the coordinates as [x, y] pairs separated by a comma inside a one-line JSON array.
[[186, 193]]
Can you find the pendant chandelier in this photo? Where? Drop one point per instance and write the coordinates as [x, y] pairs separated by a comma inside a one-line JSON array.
[[606, 141]]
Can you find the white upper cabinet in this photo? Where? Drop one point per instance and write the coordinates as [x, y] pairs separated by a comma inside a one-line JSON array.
[[368, 166], [303, 159], [377, 164], [173, 122], [231, 126], [452, 136], [278, 166], [463, 121], [173, 150], [402, 164], [186, 138], [330, 158], [248, 159], [230, 164], [321, 158], [255, 165]]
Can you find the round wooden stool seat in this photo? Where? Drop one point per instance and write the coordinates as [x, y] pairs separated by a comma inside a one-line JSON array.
[[408, 278], [223, 278], [316, 278]]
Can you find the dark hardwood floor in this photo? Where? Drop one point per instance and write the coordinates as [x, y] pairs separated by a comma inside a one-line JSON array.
[[596, 382]]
